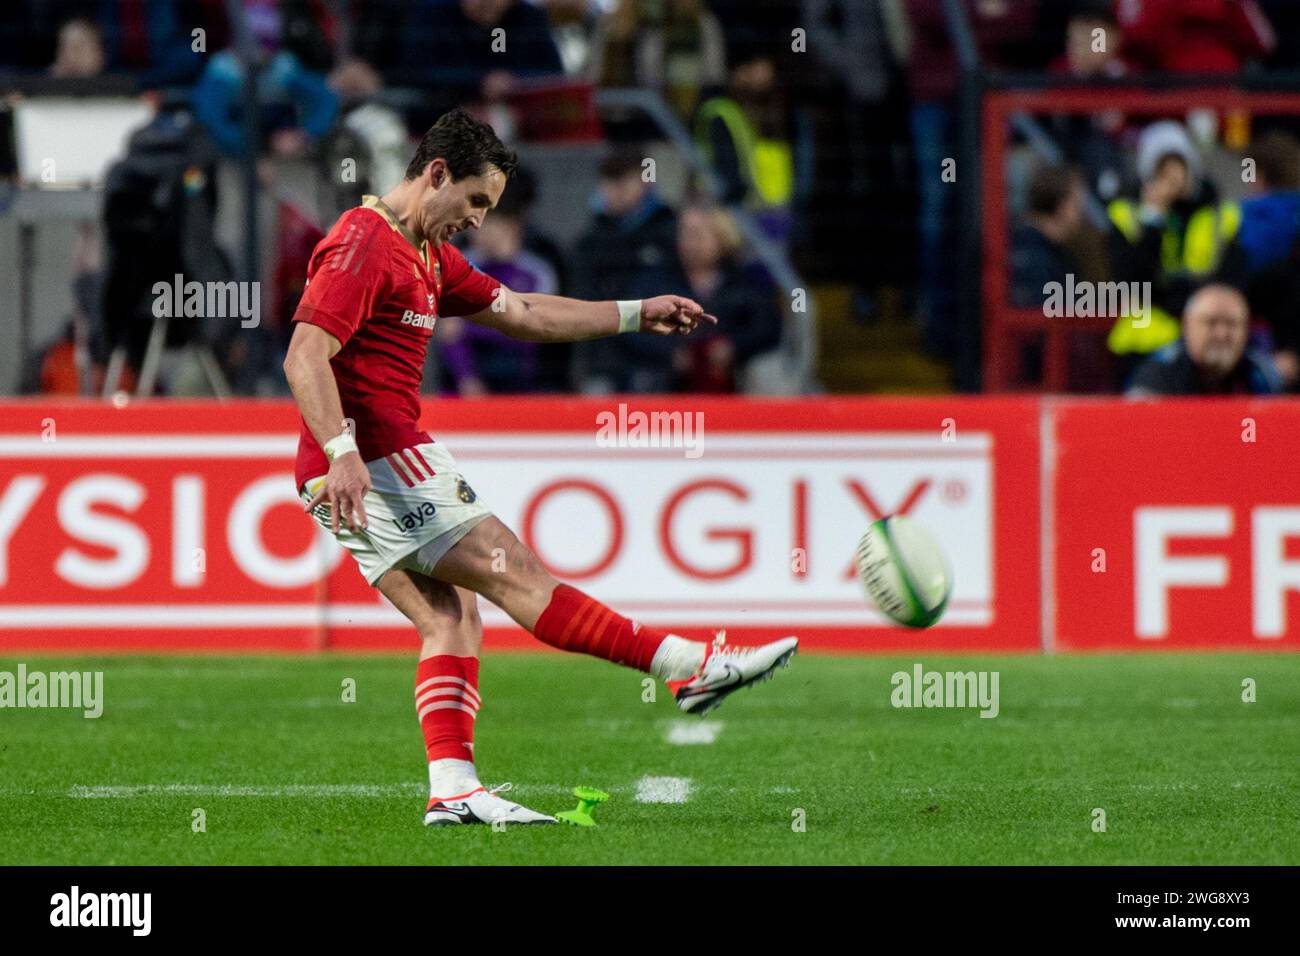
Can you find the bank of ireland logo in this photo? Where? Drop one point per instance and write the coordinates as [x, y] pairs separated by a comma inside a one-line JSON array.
[[430, 301], [465, 492]]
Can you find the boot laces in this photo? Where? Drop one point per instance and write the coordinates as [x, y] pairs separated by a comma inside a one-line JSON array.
[[721, 647]]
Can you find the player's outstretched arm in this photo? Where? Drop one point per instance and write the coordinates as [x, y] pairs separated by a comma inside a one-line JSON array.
[[536, 317]]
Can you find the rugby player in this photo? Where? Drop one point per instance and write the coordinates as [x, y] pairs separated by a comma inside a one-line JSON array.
[[396, 499]]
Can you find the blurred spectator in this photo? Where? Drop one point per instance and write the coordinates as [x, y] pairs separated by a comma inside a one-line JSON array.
[[296, 236], [1092, 43], [481, 360], [523, 186], [1270, 219], [1049, 244], [363, 45], [354, 79], [148, 39], [706, 266], [756, 26], [1194, 36], [80, 53], [153, 38], [710, 271], [1175, 236], [744, 138], [555, 359], [73, 363], [354, 76], [674, 47], [860, 177], [1270, 244], [372, 128], [633, 230], [1092, 52], [298, 106], [1000, 28], [1039, 242], [1212, 357], [632, 239], [471, 50], [849, 39], [573, 27]]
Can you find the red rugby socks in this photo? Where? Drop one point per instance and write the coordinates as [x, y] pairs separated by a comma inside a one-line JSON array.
[[576, 622], [447, 701]]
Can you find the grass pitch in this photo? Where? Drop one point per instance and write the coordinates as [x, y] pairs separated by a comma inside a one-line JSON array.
[[285, 771]]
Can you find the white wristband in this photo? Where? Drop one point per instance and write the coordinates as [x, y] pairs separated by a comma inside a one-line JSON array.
[[629, 315], [340, 445]]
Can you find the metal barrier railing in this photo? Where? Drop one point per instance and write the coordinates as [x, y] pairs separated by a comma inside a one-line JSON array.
[[1006, 326]]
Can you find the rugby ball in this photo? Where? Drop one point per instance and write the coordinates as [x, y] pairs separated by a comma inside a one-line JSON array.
[[904, 572]]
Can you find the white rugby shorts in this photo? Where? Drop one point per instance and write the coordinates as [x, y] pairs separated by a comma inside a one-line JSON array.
[[418, 507]]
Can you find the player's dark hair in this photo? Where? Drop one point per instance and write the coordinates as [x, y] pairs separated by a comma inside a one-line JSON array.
[[468, 147]]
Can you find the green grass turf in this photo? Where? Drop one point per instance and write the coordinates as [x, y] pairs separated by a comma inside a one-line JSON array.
[[1186, 772]]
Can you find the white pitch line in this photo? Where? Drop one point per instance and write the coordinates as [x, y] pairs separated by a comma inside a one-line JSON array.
[[647, 790], [685, 732], [663, 789], [244, 790], [280, 791]]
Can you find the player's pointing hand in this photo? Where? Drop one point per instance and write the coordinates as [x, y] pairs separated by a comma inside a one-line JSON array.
[[673, 315]]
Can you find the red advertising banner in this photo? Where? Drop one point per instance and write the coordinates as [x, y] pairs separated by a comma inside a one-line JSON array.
[[175, 525], [1176, 525]]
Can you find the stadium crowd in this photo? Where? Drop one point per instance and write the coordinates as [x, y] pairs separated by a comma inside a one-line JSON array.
[[828, 122]]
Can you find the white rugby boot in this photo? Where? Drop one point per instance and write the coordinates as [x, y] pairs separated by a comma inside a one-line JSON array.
[[480, 806], [728, 669]]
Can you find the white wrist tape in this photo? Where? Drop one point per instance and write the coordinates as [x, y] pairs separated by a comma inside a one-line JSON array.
[[340, 445], [629, 315]]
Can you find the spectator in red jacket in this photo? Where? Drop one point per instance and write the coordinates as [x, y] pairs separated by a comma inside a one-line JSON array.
[[1194, 36]]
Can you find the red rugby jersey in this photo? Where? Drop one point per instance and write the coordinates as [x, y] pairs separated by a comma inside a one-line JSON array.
[[378, 291]]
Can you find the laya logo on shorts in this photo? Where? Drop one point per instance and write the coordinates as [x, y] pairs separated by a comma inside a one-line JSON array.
[[420, 320], [417, 517]]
